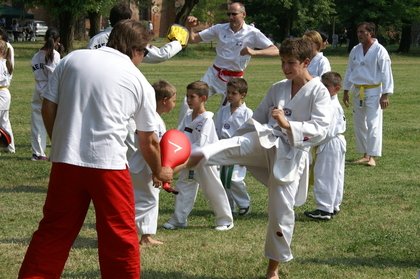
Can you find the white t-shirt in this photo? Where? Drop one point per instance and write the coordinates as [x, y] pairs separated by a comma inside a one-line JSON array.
[[136, 161], [43, 71], [97, 91], [230, 44]]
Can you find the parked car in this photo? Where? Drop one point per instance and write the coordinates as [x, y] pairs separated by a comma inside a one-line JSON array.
[[39, 27]]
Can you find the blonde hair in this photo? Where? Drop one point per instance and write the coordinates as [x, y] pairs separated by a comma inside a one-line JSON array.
[[6, 54], [163, 89], [315, 38]]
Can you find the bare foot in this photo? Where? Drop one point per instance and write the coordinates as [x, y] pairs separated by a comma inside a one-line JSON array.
[[363, 160], [146, 239], [371, 162], [274, 275]]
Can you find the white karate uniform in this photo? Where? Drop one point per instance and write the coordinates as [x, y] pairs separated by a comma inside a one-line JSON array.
[[330, 163], [228, 57], [277, 158], [373, 68], [42, 72], [146, 196], [319, 65], [200, 131], [226, 125], [5, 100]]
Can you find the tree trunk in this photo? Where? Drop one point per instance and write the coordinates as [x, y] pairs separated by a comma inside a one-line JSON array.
[[95, 23], [181, 17], [405, 41], [66, 23]]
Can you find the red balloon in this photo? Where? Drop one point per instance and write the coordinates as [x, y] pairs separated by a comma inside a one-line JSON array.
[[175, 149]]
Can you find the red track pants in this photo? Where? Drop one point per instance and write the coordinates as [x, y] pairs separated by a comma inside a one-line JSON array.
[[70, 190]]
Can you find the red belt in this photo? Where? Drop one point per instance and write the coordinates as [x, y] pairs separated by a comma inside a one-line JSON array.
[[227, 73]]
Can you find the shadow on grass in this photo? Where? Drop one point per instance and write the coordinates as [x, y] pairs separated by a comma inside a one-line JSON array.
[[145, 274], [376, 261], [154, 274], [24, 189]]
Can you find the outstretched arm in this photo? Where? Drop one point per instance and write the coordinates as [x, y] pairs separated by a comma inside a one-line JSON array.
[[269, 51]]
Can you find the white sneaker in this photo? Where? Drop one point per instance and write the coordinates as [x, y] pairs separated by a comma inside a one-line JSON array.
[[224, 227], [170, 226]]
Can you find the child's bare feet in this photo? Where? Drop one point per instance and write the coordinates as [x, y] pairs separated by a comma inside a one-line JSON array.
[[273, 275], [371, 162], [146, 239], [363, 160]]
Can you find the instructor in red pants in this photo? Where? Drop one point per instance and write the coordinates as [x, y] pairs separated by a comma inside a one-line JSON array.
[[93, 94]]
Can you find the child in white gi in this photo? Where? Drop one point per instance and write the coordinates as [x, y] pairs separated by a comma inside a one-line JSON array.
[[228, 120], [6, 70], [43, 64], [330, 158], [199, 127], [274, 145], [146, 195]]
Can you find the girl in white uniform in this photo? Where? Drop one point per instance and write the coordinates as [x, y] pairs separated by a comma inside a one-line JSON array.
[[43, 65], [330, 158], [199, 127], [319, 63], [274, 145], [146, 195], [6, 70], [228, 120]]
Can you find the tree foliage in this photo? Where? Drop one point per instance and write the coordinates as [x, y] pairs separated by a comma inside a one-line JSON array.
[[387, 14], [284, 18]]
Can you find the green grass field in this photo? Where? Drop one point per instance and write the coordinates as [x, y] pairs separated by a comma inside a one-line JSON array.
[[376, 235]]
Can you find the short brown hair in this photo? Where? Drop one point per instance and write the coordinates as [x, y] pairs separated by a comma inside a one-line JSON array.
[[119, 12], [163, 89], [199, 87], [239, 84], [298, 48], [128, 35], [331, 78], [370, 27]]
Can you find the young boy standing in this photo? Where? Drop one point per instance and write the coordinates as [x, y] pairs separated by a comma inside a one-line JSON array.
[[228, 120], [146, 195], [330, 158], [199, 127], [274, 145]]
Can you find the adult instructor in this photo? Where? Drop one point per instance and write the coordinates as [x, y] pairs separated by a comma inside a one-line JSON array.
[[93, 94], [237, 42], [369, 77]]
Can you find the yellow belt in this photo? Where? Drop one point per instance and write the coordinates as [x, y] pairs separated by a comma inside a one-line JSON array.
[[362, 88], [3, 87]]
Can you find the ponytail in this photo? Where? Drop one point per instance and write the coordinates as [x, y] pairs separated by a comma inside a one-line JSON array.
[[52, 36]]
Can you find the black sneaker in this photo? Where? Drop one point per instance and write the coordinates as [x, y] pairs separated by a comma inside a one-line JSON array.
[[318, 214]]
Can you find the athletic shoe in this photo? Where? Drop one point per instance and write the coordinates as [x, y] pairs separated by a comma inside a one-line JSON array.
[[244, 211], [170, 226], [224, 227], [318, 214], [39, 158], [335, 212]]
